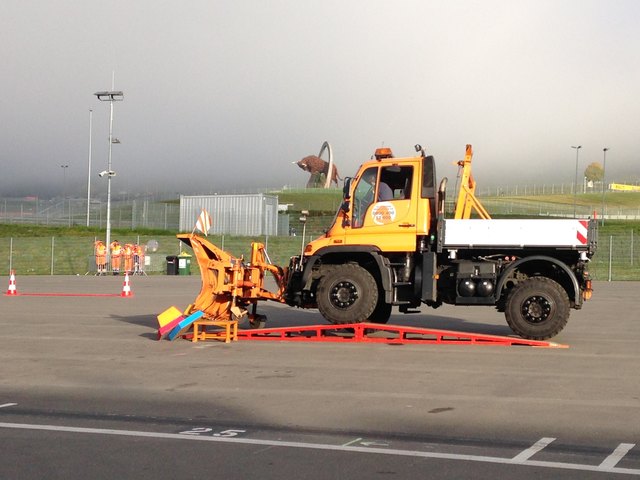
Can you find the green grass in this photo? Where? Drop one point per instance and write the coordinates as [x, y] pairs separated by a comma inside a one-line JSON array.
[[326, 201], [71, 250], [316, 200]]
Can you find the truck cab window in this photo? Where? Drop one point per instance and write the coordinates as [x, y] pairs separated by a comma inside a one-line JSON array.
[[394, 183], [398, 181]]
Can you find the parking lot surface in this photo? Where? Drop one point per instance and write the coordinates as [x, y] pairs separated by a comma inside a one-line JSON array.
[[88, 392]]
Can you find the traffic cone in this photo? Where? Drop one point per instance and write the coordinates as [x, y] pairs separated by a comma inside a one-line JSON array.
[[126, 288], [12, 290]]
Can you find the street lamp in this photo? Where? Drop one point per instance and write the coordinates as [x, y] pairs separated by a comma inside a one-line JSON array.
[[89, 169], [64, 182], [109, 96], [575, 181], [604, 166], [64, 186]]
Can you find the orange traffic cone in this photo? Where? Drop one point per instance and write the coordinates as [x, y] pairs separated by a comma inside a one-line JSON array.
[[12, 290], [126, 288]]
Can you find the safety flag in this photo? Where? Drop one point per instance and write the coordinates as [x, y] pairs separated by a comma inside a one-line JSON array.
[[204, 222]]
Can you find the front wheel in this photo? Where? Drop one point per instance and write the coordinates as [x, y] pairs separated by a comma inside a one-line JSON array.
[[347, 294], [382, 312], [537, 308]]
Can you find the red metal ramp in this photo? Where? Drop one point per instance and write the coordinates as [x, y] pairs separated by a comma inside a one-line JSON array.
[[389, 334]]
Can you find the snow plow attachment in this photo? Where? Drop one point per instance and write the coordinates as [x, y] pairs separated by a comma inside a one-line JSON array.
[[230, 287]]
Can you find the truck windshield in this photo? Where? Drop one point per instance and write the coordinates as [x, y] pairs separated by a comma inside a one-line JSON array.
[[363, 195]]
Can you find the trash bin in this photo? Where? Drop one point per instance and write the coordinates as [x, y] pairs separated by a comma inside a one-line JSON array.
[[184, 264], [172, 265]]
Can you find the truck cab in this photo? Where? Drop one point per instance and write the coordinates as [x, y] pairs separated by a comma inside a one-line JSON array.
[[389, 203]]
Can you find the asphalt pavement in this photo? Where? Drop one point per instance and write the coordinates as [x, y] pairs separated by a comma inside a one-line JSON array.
[[88, 392]]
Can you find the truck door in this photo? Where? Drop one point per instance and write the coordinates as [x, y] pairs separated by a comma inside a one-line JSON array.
[[384, 213]]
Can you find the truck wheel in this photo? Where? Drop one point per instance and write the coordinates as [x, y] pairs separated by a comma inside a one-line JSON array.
[[537, 308], [347, 294], [382, 312]]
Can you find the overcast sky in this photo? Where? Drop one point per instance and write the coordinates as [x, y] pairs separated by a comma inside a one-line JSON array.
[[225, 94]]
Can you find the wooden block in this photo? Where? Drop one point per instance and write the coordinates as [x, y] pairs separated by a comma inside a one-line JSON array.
[[168, 316], [185, 324]]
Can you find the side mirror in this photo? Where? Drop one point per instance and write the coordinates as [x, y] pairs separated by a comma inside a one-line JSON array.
[[346, 188], [345, 206]]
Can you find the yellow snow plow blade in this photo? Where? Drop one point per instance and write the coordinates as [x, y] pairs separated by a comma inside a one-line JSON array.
[[229, 285]]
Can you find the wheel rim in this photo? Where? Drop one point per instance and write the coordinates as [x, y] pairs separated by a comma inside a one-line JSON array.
[[343, 294], [536, 309]]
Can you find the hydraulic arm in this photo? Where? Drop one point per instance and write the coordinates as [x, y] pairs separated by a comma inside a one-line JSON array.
[[467, 195]]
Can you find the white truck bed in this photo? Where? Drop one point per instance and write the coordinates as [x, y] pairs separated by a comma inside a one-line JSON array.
[[516, 233]]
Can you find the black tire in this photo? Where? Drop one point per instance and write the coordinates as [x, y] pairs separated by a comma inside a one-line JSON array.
[[347, 294], [537, 308], [382, 312]]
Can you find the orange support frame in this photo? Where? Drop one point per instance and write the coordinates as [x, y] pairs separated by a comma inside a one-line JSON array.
[[227, 330]]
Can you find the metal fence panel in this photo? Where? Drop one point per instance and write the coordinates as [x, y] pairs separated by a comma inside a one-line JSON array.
[[617, 258]]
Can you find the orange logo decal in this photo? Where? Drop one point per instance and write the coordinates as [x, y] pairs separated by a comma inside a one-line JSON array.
[[383, 213]]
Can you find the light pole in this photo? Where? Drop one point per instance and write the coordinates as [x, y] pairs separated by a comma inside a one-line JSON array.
[[64, 180], [64, 185], [575, 181], [604, 167], [109, 96], [89, 168]]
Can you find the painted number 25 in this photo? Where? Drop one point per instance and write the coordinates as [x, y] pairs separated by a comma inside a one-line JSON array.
[[205, 430]]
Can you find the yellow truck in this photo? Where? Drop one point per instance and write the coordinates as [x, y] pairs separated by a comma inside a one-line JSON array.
[[390, 245]]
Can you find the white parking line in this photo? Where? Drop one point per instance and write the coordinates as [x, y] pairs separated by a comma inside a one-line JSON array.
[[320, 446], [531, 451], [613, 459], [8, 405]]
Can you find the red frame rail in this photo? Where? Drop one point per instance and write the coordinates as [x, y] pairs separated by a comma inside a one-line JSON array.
[[389, 334]]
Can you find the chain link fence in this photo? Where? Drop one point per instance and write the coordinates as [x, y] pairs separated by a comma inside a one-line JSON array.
[[515, 190], [617, 258], [145, 213], [73, 255]]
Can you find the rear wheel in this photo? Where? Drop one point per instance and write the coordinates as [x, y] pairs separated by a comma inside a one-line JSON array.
[[347, 294], [537, 308]]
